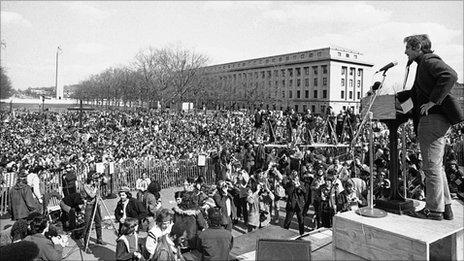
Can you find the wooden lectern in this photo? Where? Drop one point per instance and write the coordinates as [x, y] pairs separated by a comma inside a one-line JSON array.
[[384, 109]]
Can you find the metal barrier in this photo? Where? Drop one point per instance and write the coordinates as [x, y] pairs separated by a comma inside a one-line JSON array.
[[125, 173]]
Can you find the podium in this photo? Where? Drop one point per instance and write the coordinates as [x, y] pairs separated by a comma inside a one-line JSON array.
[[398, 237], [384, 109]]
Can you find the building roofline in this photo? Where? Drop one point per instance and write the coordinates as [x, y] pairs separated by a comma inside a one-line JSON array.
[[292, 63], [333, 47]]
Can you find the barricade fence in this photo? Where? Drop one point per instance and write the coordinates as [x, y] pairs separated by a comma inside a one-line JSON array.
[[124, 173]]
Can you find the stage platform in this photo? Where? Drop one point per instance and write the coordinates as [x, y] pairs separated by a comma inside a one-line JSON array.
[[398, 237], [321, 240]]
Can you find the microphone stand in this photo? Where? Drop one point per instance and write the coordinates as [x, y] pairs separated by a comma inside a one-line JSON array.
[[369, 210]]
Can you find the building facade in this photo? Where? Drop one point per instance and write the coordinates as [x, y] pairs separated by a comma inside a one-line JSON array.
[[313, 79], [458, 92]]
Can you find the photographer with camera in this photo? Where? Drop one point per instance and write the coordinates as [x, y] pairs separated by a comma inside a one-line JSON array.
[[91, 188], [224, 201], [275, 183], [295, 201]]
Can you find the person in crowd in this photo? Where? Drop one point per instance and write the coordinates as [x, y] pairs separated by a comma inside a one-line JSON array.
[[266, 199], [20, 251], [170, 245], [191, 217], [275, 179], [141, 184], [240, 184], [253, 205], [33, 181], [316, 196], [223, 199], [215, 242], [163, 225], [455, 178], [295, 201], [127, 241], [19, 230], [349, 199], [69, 180], [434, 81], [328, 206], [49, 248], [307, 178], [91, 195], [71, 206], [22, 202], [129, 207], [152, 201]]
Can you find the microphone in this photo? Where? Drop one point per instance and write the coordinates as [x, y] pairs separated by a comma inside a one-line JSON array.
[[376, 86], [386, 67]]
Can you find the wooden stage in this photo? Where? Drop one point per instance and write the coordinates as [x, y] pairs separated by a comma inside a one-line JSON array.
[[398, 237], [245, 245]]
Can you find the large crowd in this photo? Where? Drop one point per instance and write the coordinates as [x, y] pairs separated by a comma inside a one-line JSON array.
[[254, 176]]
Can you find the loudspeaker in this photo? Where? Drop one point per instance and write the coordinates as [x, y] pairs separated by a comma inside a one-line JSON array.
[[283, 249]]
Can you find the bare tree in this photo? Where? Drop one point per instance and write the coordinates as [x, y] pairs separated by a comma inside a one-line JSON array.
[[170, 73]]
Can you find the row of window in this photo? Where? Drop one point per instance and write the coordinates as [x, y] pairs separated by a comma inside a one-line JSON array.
[[358, 83], [347, 55], [352, 70], [350, 95], [282, 72], [306, 92]]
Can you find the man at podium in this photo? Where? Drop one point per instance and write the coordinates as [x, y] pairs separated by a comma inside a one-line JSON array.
[[432, 119]]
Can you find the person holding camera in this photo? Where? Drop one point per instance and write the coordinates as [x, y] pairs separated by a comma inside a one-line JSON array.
[[295, 201], [223, 199], [91, 189], [275, 183]]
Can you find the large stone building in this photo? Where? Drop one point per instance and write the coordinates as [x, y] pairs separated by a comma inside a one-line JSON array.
[[313, 79], [458, 92]]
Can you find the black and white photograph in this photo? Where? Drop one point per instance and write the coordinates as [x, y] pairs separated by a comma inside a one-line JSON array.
[[231, 130]]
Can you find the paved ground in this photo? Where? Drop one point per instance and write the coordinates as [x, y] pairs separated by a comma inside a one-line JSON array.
[[74, 251]]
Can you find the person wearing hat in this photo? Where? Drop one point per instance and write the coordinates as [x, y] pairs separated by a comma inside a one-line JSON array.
[[22, 202], [128, 206]]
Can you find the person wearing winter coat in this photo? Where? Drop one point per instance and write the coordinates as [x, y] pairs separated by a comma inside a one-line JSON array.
[[22, 202]]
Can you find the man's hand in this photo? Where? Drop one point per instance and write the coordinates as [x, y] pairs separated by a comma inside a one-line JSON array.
[[425, 107], [121, 220]]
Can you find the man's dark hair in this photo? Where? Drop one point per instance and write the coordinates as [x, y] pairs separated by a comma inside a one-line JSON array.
[[163, 215], [420, 39], [19, 230], [189, 201], [20, 251], [39, 224], [214, 217]]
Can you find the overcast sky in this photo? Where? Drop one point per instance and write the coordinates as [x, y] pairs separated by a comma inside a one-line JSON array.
[[97, 35]]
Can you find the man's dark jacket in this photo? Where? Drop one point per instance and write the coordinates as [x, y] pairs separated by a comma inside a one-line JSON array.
[[134, 209], [433, 82], [295, 195]]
